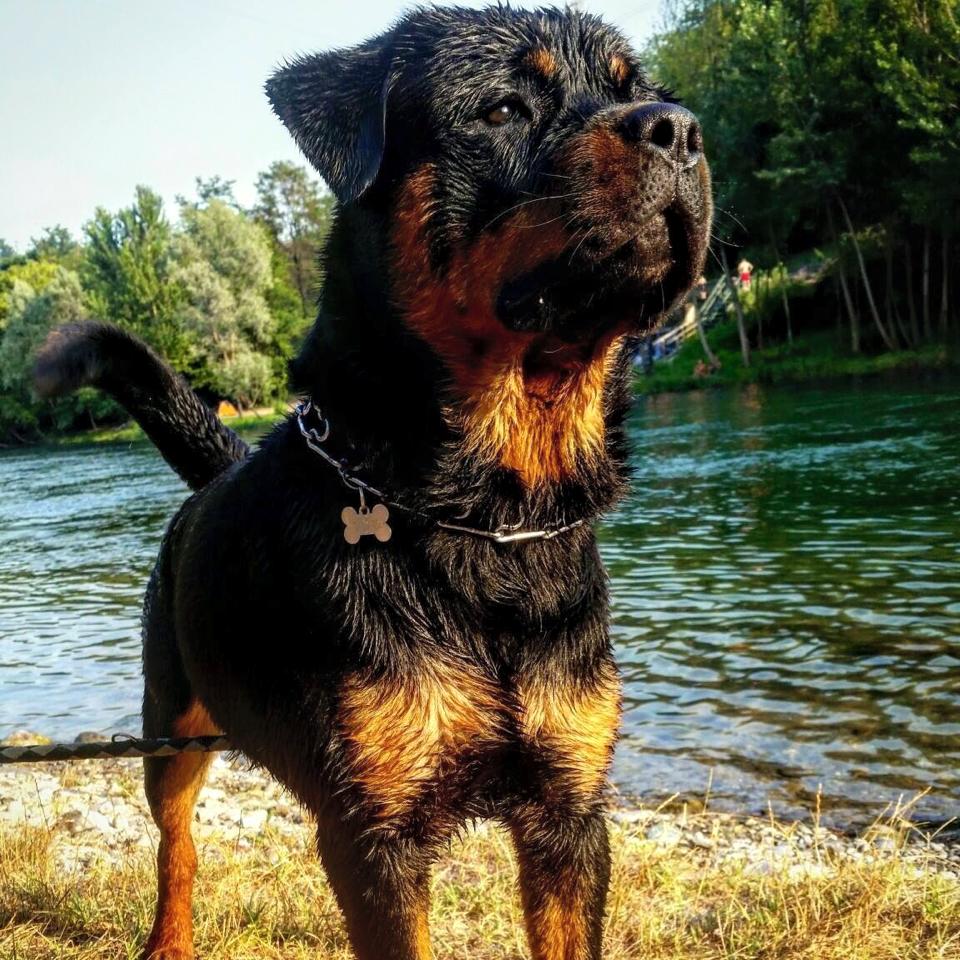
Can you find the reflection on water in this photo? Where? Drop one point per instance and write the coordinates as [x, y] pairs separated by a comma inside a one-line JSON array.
[[786, 583], [79, 530], [785, 578]]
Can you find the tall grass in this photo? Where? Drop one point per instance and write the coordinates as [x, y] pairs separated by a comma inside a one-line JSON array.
[[272, 901]]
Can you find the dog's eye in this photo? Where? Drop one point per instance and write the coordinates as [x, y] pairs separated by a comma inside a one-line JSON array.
[[500, 114], [504, 112]]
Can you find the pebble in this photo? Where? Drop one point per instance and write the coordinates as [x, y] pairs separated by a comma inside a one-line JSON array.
[[97, 810], [664, 833], [24, 738]]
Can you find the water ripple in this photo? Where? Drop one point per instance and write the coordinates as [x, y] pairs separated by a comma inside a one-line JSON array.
[[785, 592]]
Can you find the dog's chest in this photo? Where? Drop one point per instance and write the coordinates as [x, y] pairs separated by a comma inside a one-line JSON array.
[[448, 738], [404, 737]]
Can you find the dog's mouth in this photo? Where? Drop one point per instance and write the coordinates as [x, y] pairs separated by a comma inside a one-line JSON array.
[[578, 296]]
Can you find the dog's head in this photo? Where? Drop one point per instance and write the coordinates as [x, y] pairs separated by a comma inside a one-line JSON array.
[[542, 197]]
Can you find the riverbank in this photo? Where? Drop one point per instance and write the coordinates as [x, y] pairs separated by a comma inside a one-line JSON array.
[[815, 356], [254, 423], [812, 358], [76, 879]]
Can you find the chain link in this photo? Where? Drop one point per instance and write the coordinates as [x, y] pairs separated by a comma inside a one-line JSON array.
[[505, 533]]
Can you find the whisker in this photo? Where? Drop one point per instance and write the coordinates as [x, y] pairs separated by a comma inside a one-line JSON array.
[[736, 220], [573, 237], [713, 253], [546, 223], [580, 244], [524, 203]]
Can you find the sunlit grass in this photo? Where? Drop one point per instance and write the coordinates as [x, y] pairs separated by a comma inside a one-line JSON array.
[[816, 356], [272, 901], [253, 423]]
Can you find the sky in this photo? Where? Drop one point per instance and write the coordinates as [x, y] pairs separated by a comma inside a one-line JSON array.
[[97, 96]]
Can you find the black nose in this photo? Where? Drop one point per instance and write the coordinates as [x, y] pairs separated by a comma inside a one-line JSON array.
[[667, 128]]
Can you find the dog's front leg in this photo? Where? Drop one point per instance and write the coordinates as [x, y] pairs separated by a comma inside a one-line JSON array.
[[564, 864], [383, 889], [569, 726]]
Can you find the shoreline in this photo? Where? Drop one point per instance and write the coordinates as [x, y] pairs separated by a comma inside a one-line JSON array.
[[806, 362], [95, 810], [78, 853], [771, 367]]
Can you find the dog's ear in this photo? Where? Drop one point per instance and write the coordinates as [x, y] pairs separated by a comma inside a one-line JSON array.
[[335, 106]]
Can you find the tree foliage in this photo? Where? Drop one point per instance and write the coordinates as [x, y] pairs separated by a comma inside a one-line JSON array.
[[36, 275], [297, 211], [127, 274], [56, 244], [215, 292], [31, 316], [223, 269], [828, 123]]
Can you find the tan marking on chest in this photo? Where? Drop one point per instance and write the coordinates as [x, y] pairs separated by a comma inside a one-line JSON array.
[[537, 422], [577, 726], [539, 427], [402, 735]]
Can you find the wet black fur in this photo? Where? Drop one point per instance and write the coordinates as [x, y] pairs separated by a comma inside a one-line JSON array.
[[257, 605], [190, 436]]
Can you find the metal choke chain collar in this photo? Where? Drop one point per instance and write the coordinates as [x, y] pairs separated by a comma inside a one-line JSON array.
[[374, 521]]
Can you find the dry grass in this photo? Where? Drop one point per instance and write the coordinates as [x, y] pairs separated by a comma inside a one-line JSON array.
[[272, 901]]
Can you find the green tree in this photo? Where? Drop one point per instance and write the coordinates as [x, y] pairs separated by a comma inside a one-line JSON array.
[[32, 315], [297, 212], [211, 188], [58, 245], [828, 122], [223, 270], [126, 272], [34, 274]]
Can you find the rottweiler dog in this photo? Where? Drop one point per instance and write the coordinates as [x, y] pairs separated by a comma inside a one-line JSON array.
[[395, 604]]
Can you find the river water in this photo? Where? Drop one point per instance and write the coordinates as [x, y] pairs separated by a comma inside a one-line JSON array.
[[785, 580]]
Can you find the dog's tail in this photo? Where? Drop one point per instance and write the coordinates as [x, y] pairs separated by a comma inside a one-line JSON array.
[[190, 437]]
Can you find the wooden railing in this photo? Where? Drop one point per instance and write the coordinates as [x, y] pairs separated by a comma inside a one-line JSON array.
[[713, 309]]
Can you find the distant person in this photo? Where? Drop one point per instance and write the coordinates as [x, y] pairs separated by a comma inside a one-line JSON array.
[[701, 287], [745, 271]]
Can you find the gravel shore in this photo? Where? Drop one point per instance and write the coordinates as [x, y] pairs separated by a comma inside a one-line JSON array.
[[96, 810]]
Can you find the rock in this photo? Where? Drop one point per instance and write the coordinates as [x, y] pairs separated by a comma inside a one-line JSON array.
[[13, 812], [97, 821], [700, 839], [807, 871], [633, 816], [664, 833], [254, 820], [24, 738], [72, 821], [99, 811], [90, 736]]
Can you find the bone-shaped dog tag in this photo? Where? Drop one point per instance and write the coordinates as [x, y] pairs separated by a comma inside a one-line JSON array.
[[366, 522]]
